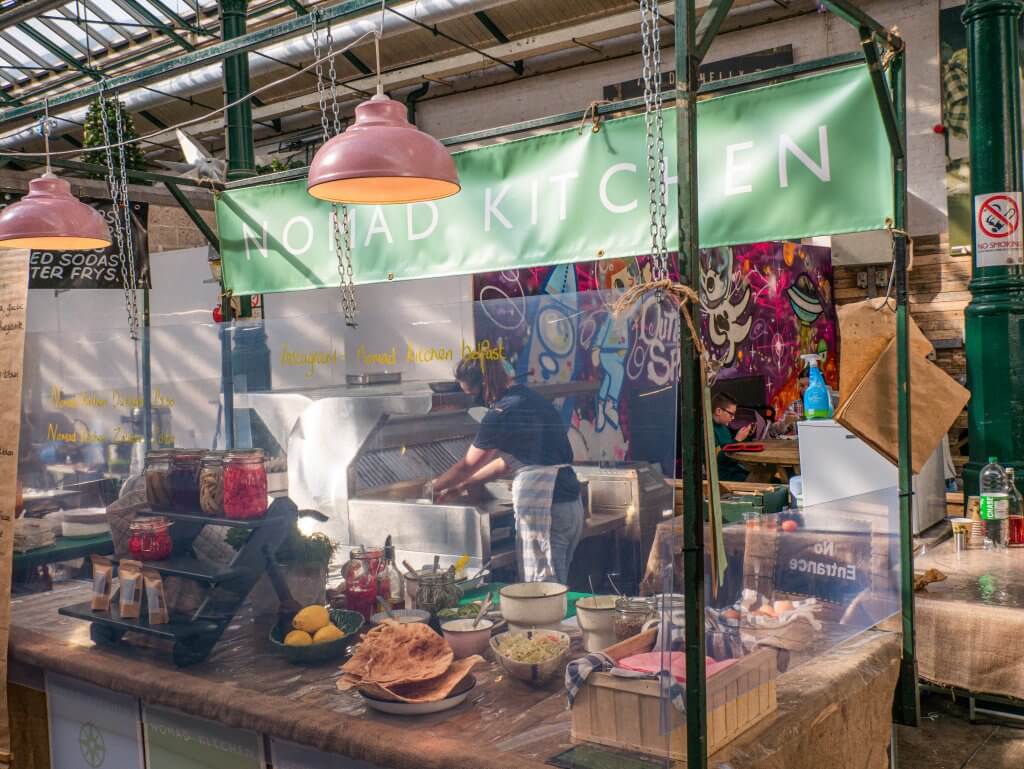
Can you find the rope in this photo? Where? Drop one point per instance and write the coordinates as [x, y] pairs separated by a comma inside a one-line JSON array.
[[895, 46], [591, 112], [682, 296], [893, 232]]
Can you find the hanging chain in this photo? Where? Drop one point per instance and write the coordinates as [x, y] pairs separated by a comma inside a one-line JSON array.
[[340, 223], [654, 125], [118, 188], [127, 256]]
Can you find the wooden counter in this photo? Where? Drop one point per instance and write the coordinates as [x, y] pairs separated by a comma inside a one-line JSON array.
[[505, 724]]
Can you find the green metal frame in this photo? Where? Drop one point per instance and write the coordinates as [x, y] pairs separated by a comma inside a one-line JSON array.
[[208, 55], [159, 24]]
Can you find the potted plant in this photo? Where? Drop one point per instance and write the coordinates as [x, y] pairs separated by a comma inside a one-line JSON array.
[[303, 560]]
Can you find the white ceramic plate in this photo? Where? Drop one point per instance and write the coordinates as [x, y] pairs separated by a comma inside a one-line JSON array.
[[462, 691]]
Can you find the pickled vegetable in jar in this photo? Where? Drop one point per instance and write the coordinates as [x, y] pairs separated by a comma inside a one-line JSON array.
[[150, 539], [211, 483], [157, 473], [245, 485], [184, 481]]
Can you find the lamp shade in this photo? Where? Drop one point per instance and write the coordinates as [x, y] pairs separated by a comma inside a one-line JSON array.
[[382, 158], [50, 217]]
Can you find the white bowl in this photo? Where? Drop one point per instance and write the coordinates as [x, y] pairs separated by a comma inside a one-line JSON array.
[[596, 615], [402, 616], [534, 604], [465, 639], [536, 672]]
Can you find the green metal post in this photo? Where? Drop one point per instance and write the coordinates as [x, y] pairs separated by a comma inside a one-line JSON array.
[[691, 430], [907, 706], [241, 153], [994, 320]]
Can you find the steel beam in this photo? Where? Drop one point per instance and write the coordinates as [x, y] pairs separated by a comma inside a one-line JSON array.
[[690, 420], [136, 176], [207, 55], [882, 95], [849, 12], [241, 152], [157, 22], [29, 10], [709, 25], [492, 27], [298, 7], [436, 31], [57, 51], [63, 34]]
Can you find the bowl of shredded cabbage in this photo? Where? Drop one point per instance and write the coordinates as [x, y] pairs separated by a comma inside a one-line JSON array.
[[531, 655]]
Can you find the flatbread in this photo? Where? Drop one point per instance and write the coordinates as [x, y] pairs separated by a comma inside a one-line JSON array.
[[432, 690], [394, 654]]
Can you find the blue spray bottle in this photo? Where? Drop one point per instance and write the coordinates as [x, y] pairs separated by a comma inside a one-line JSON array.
[[817, 398]]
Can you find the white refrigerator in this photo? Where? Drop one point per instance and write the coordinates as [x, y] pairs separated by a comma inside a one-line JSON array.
[[835, 464]]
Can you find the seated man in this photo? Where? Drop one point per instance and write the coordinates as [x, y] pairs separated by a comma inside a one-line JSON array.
[[723, 413]]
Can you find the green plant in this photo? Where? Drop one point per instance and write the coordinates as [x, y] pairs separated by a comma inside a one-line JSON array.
[[298, 548], [106, 110]]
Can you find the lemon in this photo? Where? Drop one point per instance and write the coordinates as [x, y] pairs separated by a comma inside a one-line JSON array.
[[327, 633], [298, 638], [311, 619]]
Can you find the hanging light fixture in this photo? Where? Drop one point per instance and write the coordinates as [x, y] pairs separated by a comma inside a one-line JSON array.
[[382, 157], [49, 217]]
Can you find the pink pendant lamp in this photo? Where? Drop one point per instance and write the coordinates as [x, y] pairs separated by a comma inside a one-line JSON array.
[[382, 158], [49, 217]]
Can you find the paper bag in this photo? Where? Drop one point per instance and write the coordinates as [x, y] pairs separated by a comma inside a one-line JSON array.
[[871, 410], [865, 329]]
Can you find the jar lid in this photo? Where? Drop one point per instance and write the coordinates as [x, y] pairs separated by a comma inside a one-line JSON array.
[[244, 454], [188, 455], [634, 604], [149, 524], [159, 453]]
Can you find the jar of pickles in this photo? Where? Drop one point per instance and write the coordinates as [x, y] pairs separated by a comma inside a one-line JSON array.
[[245, 484], [211, 483], [184, 481], [437, 591], [157, 473], [150, 539]]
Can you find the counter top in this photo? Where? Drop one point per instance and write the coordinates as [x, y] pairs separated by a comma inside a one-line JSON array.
[[505, 725]]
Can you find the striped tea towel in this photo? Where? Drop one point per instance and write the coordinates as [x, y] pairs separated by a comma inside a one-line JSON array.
[[577, 671], [532, 492]]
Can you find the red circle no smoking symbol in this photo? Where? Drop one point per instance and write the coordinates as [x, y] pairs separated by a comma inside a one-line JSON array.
[[999, 216]]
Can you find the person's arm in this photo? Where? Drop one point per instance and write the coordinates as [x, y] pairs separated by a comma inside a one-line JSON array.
[[496, 468], [459, 473]]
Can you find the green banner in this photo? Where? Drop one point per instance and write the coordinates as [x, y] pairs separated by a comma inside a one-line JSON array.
[[802, 158]]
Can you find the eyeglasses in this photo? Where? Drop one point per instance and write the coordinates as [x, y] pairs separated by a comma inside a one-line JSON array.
[[730, 414]]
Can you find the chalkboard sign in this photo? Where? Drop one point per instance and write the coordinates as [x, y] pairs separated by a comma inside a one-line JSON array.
[[99, 268], [831, 566]]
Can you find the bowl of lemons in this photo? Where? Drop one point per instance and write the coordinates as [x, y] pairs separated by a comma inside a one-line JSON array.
[[317, 635]]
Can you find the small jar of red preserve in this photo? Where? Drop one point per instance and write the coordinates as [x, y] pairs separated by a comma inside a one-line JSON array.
[[150, 539], [245, 484]]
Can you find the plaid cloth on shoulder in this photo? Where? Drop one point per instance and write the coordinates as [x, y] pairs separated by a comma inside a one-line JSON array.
[[532, 492], [955, 84]]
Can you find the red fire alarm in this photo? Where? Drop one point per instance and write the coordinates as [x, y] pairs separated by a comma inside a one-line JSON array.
[[939, 128]]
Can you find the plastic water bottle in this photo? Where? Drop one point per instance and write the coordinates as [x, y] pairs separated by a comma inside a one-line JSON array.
[[995, 502]]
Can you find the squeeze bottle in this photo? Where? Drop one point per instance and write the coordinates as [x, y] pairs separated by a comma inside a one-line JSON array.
[[817, 398]]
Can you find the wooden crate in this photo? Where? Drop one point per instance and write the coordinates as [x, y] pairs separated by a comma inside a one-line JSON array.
[[625, 713]]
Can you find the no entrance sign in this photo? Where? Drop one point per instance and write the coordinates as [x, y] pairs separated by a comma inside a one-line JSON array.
[[997, 224]]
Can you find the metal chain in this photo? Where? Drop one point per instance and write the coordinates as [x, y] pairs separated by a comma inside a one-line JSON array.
[[128, 255], [343, 249], [654, 127], [114, 188], [339, 224]]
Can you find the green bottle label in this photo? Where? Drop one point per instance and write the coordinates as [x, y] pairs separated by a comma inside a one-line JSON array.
[[995, 507]]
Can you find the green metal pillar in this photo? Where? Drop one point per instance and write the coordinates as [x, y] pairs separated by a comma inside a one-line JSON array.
[[995, 316], [241, 153], [691, 430], [907, 705]]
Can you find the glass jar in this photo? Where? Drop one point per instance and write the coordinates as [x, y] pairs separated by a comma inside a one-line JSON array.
[[437, 591], [245, 485], [211, 483], [360, 575], [150, 539], [630, 616], [184, 481], [157, 473]]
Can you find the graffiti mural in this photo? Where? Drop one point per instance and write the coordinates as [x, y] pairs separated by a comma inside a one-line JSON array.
[[767, 304]]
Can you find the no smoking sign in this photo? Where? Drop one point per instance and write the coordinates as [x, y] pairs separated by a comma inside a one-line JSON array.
[[998, 229]]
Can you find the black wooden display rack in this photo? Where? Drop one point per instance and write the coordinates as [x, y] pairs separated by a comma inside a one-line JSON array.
[[194, 635]]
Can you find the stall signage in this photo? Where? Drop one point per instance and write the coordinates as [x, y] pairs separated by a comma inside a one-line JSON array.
[[92, 728], [801, 158], [998, 230], [288, 755], [175, 740], [829, 565]]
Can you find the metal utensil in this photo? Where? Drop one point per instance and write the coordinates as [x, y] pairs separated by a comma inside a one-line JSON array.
[[614, 586], [482, 569], [437, 563], [484, 609], [383, 603], [412, 572]]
